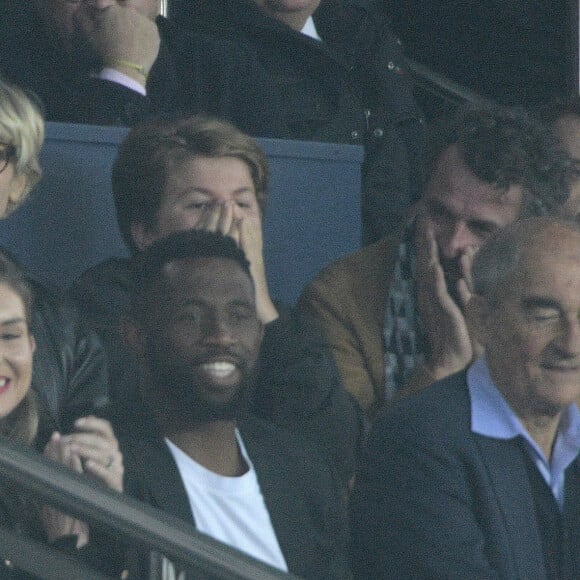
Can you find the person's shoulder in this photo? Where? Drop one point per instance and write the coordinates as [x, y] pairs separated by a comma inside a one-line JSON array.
[[368, 263], [103, 290], [440, 412], [113, 272], [264, 439], [204, 44], [52, 307]]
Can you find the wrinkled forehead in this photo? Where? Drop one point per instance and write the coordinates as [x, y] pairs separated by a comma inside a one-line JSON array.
[[548, 265]]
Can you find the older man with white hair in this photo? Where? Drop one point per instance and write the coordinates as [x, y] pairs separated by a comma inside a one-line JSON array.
[[478, 476]]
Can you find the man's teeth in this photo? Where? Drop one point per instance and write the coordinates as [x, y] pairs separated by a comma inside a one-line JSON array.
[[219, 369], [3, 382]]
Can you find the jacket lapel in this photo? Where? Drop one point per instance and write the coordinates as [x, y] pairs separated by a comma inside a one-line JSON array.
[[509, 480], [278, 491], [163, 486]]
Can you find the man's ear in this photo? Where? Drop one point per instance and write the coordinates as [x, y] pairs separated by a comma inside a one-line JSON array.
[[477, 314], [133, 336], [141, 235]]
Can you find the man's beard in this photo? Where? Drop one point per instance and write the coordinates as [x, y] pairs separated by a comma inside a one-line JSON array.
[[174, 388]]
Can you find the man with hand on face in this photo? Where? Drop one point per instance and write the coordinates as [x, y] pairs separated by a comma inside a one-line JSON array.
[[202, 457], [202, 173], [478, 476], [393, 313], [116, 62]]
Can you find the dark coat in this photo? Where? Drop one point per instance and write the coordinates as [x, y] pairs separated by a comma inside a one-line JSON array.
[[69, 367], [192, 74], [352, 88], [303, 498], [298, 386], [434, 500]]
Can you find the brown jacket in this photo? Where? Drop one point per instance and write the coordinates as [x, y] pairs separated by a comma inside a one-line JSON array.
[[348, 299]]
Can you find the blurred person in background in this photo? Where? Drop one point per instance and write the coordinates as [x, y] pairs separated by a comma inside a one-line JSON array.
[[70, 375], [117, 62]]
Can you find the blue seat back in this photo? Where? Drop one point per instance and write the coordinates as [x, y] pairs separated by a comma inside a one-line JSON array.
[[69, 224]]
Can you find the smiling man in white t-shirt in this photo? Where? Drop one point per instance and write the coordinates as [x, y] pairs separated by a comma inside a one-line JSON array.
[[195, 328]]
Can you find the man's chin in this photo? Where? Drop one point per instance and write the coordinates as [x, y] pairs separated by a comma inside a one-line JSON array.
[[206, 405]]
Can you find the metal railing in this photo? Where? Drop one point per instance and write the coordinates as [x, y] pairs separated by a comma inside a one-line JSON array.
[[442, 87], [136, 522]]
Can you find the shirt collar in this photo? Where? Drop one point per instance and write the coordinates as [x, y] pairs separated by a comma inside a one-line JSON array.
[[493, 417], [309, 29]]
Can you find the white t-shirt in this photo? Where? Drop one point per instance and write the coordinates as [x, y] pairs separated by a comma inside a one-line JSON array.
[[230, 509]]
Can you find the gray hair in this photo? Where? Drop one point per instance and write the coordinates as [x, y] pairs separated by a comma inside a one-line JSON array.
[[499, 258]]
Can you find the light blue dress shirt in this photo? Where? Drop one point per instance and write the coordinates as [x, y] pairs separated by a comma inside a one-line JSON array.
[[491, 416]]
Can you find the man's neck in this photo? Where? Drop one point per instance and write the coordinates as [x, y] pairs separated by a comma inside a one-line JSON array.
[[543, 430], [213, 445], [295, 20]]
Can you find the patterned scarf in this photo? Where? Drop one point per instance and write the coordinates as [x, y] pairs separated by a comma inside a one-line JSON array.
[[403, 339]]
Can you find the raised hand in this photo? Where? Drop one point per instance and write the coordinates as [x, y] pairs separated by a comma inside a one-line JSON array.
[[92, 449], [119, 35], [247, 233], [251, 242], [445, 326]]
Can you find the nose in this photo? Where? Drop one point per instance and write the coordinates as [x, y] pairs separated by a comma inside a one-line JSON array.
[[458, 239], [569, 340], [217, 331]]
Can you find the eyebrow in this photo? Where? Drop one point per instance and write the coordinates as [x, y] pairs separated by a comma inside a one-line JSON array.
[[188, 191], [198, 302], [539, 302], [438, 205], [12, 321]]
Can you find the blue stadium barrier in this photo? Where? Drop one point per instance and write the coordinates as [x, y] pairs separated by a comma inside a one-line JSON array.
[[69, 224]]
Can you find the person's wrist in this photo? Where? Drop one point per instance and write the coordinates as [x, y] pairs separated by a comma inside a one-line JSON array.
[[440, 370], [132, 69]]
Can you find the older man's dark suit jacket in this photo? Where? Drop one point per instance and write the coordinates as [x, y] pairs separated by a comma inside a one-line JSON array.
[[303, 497], [435, 500]]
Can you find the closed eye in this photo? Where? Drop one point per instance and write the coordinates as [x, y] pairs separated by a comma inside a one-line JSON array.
[[10, 335], [543, 314], [198, 205]]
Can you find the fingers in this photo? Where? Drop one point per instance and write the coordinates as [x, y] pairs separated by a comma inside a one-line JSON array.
[[466, 262], [96, 425], [463, 292], [223, 218], [92, 449], [211, 218], [111, 473], [119, 32]]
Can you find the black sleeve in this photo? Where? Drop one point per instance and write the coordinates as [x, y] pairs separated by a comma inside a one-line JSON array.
[[70, 371], [103, 102], [299, 388]]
